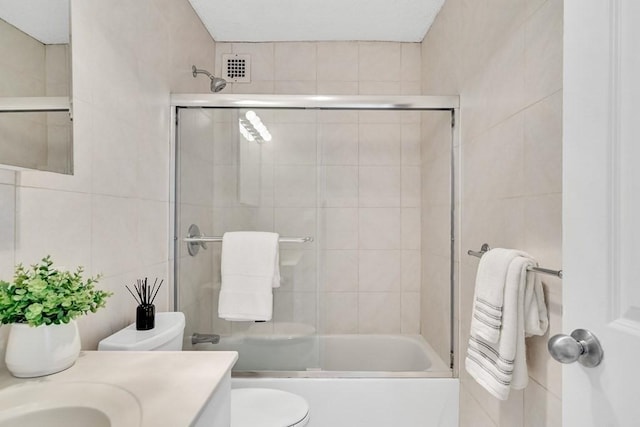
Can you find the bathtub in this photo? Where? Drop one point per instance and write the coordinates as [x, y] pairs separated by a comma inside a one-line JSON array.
[[332, 355], [379, 353], [351, 380]]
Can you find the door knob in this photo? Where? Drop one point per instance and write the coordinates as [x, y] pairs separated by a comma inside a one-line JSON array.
[[581, 346]]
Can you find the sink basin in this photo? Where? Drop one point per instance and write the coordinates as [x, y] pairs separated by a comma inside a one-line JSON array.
[[72, 404], [59, 417]]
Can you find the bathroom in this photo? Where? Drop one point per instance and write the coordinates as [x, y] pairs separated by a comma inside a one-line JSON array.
[[114, 214]]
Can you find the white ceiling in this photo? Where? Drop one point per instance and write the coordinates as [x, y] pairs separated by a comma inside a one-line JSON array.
[[317, 20], [45, 20]]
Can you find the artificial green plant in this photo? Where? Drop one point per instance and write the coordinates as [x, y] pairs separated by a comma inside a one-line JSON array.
[[43, 295]]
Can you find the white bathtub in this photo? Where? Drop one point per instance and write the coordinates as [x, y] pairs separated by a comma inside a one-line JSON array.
[[352, 380], [379, 353], [334, 355]]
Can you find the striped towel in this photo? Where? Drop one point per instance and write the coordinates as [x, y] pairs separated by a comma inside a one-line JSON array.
[[502, 365], [491, 279]]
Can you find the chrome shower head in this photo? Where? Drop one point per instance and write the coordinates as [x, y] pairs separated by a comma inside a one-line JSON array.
[[217, 84]]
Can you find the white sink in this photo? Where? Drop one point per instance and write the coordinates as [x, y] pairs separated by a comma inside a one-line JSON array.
[[59, 417], [68, 404]]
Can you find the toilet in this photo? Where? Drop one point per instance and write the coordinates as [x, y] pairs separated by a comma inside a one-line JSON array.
[[250, 407]]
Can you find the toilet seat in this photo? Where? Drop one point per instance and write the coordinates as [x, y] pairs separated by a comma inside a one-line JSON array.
[[264, 407]]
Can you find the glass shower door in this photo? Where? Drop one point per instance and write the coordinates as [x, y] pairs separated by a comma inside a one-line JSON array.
[[373, 191], [232, 178]]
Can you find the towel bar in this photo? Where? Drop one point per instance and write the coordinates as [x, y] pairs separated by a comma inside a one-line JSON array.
[[485, 248], [196, 240], [219, 239]]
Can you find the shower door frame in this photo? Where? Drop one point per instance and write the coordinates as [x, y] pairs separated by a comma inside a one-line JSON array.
[[449, 103]]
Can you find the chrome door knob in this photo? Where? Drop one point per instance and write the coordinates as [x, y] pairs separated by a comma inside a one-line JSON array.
[[581, 346]]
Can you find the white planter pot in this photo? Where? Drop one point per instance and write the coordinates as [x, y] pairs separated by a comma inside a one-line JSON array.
[[42, 350]]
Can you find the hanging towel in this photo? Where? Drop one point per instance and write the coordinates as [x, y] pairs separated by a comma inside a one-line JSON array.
[[249, 269], [502, 366], [486, 318]]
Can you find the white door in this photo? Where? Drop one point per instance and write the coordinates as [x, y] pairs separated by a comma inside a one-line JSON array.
[[601, 206]]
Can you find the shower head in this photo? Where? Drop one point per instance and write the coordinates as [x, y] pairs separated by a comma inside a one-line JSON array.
[[217, 84]]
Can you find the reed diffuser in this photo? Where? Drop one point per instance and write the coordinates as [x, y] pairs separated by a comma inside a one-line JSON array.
[[146, 295]]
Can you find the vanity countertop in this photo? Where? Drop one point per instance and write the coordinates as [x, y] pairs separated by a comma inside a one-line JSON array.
[[172, 387]]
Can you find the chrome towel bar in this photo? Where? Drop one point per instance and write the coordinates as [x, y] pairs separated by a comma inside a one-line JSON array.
[[485, 248], [196, 240], [219, 239]]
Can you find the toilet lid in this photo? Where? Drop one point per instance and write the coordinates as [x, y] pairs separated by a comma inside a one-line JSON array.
[[264, 407]]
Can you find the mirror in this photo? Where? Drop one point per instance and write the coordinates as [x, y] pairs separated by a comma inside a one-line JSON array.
[[35, 85]]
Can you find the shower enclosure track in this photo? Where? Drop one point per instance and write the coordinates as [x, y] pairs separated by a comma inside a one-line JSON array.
[[322, 102]]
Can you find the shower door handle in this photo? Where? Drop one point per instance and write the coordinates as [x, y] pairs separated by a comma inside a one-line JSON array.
[[581, 346], [194, 245]]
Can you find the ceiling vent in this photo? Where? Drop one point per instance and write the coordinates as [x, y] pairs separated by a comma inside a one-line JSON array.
[[236, 68]]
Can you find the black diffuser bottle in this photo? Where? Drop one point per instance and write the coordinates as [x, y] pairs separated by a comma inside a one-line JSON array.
[[146, 311], [145, 317]]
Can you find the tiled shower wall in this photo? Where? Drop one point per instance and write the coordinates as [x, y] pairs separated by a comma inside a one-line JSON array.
[[505, 60], [336, 68], [112, 215], [351, 180]]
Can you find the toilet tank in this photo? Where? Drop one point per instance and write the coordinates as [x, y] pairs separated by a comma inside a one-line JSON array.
[[165, 336]]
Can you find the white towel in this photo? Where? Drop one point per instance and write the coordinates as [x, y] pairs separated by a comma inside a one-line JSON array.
[[502, 366], [249, 269], [486, 318]]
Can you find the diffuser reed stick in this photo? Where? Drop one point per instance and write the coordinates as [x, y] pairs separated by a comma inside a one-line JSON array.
[[134, 297], [146, 293]]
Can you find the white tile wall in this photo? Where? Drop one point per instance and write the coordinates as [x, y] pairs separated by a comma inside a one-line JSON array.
[[112, 215], [68, 237], [411, 186], [337, 62], [379, 186], [295, 62], [296, 222], [340, 228], [410, 270], [360, 171], [340, 312], [373, 68], [340, 186], [505, 60], [379, 228], [410, 308], [379, 270], [296, 143], [379, 312], [338, 68], [410, 144], [379, 144], [295, 186], [340, 273], [339, 143]]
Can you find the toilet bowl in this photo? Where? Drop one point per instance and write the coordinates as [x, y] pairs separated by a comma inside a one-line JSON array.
[[250, 407]]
